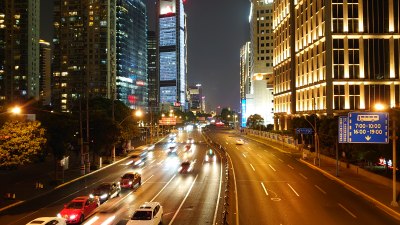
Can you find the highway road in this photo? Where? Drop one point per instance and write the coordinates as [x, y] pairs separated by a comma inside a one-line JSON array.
[[276, 188], [190, 198]]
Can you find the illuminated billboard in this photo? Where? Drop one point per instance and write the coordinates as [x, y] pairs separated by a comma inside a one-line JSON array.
[[167, 7]]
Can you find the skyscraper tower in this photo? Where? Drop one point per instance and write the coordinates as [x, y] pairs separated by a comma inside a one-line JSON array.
[[84, 51], [171, 30], [132, 84], [152, 68], [45, 73], [19, 50]]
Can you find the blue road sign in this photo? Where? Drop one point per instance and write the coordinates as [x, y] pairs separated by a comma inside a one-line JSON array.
[[343, 130], [368, 127], [304, 130]]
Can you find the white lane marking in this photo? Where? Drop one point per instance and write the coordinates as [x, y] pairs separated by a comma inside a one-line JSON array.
[[265, 190], [272, 167], [303, 176], [279, 159], [183, 201], [348, 211], [159, 163], [219, 195], [293, 190], [244, 155], [236, 195], [272, 153], [291, 167], [226, 142], [252, 167], [237, 148], [249, 148], [152, 200], [320, 189], [259, 155]]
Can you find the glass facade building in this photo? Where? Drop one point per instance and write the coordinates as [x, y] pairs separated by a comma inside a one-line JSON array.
[[152, 68], [131, 81], [171, 29]]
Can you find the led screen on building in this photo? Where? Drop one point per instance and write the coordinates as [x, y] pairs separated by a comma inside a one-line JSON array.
[[168, 94], [244, 118], [167, 7]]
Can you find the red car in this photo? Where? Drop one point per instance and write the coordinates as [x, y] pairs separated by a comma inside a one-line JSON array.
[[130, 180], [78, 209]]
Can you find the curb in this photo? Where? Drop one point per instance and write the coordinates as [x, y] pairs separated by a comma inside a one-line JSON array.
[[377, 203]]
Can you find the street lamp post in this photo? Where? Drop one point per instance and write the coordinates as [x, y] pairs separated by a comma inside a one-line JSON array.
[[381, 107]]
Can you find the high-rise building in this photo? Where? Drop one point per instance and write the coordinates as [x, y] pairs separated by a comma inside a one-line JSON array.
[[152, 68], [84, 42], [171, 42], [132, 83], [19, 50], [245, 81], [332, 57], [45, 73], [196, 98], [257, 96]]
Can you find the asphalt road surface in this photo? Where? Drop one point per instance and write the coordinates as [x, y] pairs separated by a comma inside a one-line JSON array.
[[275, 188], [186, 198]]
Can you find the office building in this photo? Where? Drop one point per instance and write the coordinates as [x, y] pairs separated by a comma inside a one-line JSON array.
[[152, 68], [245, 81], [45, 73], [19, 51], [196, 99], [171, 42], [132, 83], [84, 64], [257, 96], [334, 57]]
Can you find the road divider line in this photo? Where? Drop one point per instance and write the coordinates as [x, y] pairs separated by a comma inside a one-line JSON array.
[[236, 192], [183, 201], [259, 155], [293, 190], [303, 176], [265, 190], [279, 159], [219, 194], [348, 211], [244, 155], [291, 167], [237, 148], [252, 167], [272, 167], [163, 188], [320, 189]]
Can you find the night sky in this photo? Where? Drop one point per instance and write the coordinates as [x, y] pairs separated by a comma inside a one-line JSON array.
[[216, 31]]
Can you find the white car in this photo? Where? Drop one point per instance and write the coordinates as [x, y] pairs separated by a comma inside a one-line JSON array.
[[150, 213], [47, 221], [239, 142]]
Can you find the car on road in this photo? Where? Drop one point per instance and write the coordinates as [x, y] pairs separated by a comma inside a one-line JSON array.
[[77, 210], [47, 221], [138, 158], [149, 213], [190, 141], [130, 180], [186, 167], [210, 156], [106, 191], [239, 142], [172, 149]]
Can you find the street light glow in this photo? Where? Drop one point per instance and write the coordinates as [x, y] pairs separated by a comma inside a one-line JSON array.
[[16, 110], [379, 106], [138, 113]]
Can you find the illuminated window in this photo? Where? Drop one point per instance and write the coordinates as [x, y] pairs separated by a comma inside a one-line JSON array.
[[63, 84]]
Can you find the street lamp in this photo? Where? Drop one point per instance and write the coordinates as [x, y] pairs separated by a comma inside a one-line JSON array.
[[15, 110], [381, 107]]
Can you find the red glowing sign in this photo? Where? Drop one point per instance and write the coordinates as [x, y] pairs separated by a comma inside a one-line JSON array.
[[140, 83], [132, 99]]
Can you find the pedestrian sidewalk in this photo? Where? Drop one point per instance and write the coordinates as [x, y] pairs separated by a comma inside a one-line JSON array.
[[372, 187]]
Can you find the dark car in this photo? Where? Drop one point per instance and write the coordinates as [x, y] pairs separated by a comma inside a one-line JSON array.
[[106, 191], [130, 180], [186, 167]]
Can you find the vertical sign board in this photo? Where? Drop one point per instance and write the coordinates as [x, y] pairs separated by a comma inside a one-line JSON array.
[[368, 127], [343, 130]]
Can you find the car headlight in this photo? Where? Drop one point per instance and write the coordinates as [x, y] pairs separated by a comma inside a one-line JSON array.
[[73, 216], [91, 196], [206, 157], [59, 215], [130, 182], [180, 168], [104, 196]]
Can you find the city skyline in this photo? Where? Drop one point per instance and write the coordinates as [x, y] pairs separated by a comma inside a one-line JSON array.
[[213, 60]]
